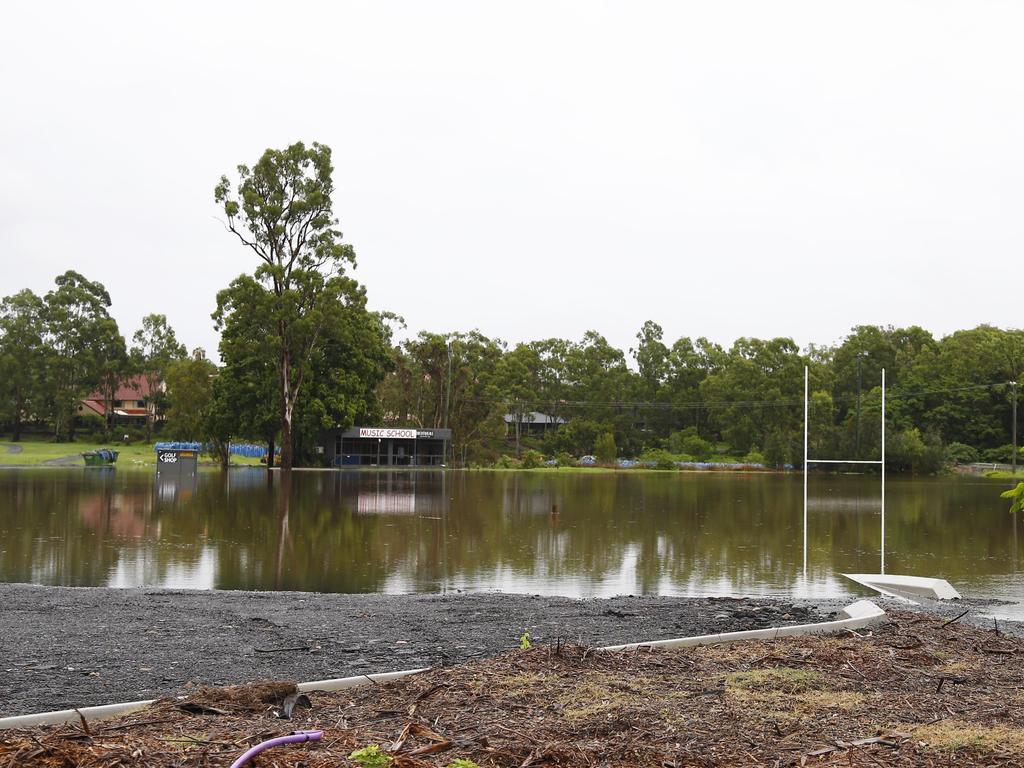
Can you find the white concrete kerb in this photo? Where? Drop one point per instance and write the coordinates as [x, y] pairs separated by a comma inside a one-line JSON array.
[[859, 615]]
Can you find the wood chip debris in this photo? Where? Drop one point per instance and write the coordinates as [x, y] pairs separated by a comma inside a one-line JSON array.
[[944, 694]]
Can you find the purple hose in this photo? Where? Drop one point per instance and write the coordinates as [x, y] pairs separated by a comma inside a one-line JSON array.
[[292, 738]]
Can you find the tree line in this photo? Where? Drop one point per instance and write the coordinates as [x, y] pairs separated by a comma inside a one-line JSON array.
[[946, 398], [300, 352], [59, 348]]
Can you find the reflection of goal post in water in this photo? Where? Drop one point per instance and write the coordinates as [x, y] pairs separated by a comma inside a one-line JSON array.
[[808, 461]]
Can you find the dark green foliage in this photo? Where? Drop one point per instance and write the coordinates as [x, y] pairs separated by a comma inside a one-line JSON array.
[[532, 459], [657, 458], [340, 372], [962, 454], [83, 349], [565, 460], [1016, 496], [1001, 454], [688, 442], [450, 380], [155, 348], [909, 451], [22, 358], [190, 397], [577, 438], [605, 449], [282, 212]]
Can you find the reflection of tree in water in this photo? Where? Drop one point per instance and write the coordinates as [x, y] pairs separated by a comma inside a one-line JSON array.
[[364, 531]]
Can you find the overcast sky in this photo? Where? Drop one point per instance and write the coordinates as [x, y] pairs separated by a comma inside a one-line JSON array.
[[536, 169]]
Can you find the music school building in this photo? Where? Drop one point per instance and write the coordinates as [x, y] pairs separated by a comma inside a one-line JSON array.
[[386, 447]]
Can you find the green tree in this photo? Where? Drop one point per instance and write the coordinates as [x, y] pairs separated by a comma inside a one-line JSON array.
[[341, 373], [690, 363], [21, 357], [603, 389], [577, 438], [83, 347], [958, 388], [604, 448], [283, 213], [475, 408], [756, 396], [653, 363], [190, 395], [518, 380], [155, 347], [449, 379], [114, 367]]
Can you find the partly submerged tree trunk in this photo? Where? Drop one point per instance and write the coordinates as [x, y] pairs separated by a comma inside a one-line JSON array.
[[270, 454], [223, 451], [287, 410], [16, 424], [286, 440]]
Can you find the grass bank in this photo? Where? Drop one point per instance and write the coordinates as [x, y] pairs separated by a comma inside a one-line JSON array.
[[1002, 475], [42, 453]]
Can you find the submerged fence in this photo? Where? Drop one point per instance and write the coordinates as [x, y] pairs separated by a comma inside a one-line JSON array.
[[248, 450]]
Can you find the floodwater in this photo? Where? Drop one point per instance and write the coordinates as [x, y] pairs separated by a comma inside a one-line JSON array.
[[577, 534]]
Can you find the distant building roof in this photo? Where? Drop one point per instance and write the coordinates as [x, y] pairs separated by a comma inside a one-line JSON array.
[[534, 417], [132, 388]]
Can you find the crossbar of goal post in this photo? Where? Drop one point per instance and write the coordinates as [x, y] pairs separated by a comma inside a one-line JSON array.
[[808, 461]]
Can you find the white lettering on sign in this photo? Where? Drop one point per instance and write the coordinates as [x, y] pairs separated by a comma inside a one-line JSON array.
[[399, 434], [168, 458]]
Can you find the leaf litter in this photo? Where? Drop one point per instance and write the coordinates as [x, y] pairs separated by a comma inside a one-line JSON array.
[[913, 692]]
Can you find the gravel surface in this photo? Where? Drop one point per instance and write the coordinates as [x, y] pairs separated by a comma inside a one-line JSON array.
[[68, 647]]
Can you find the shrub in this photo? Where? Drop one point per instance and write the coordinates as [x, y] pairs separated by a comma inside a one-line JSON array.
[[696, 446], [658, 459], [962, 454], [754, 457], [1001, 455], [531, 459], [565, 460], [908, 449], [605, 449], [507, 462]]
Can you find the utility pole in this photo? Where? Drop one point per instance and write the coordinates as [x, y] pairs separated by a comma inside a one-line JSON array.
[[448, 394], [1013, 426], [860, 358]]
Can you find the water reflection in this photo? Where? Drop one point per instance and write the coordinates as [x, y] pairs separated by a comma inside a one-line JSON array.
[[572, 534]]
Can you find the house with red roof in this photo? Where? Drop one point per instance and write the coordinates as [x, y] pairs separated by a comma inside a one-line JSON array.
[[131, 404]]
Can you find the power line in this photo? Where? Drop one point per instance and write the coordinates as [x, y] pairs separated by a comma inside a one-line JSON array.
[[649, 405]]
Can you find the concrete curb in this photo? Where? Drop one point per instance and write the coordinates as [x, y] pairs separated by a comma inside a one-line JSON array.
[[859, 615], [909, 589]]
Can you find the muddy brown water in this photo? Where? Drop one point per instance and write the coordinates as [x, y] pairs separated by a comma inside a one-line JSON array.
[[571, 534]]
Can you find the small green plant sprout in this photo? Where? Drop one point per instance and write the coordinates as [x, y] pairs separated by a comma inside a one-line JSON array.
[[462, 763], [370, 757], [1017, 494], [524, 640]]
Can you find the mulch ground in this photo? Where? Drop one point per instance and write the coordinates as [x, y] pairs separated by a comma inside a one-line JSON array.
[[917, 691]]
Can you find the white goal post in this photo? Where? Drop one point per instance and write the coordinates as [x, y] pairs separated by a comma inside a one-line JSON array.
[[808, 461]]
